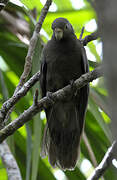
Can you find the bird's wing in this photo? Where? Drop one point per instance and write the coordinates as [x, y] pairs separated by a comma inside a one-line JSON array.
[[83, 92], [85, 65], [43, 71], [43, 75]]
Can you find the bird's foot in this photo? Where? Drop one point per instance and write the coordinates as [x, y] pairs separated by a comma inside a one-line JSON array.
[[49, 97]]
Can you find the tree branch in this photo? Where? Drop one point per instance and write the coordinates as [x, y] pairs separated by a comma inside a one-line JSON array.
[[90, 37], [16, 97], [105, 163], [45, 102], [32, 45], [31, 49], [8, 105], [19, 94], [35, 98], [9, 162]]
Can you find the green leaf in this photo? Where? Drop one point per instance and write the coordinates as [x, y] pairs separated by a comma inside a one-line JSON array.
[[95, 111], [44, 172], [93, 64], [93, 50], [61, 6], [30, 4], [96, 136], [77, 19], [15, 54], [5, 93], [29, 152], [75, 175], [3, 86], [3, 171], [20, 152], [37, 121], [99, 100]]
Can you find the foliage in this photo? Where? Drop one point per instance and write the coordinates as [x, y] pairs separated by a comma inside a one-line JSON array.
[[14, 39]]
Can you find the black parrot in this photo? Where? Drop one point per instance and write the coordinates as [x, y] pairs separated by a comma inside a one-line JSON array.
[[63, 60]]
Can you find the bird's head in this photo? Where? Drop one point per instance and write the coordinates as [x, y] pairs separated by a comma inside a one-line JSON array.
[[62, 29]]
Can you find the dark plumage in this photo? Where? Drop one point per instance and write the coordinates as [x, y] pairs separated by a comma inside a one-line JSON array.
[[63, 60]]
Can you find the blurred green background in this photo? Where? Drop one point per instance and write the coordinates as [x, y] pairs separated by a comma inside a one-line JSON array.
[[17, 22]]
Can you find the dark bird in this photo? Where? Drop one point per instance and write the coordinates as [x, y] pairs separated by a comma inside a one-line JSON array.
[[63, 60]]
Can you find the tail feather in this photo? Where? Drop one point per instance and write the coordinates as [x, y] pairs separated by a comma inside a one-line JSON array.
[[63, 134], [68, 151], [52, 154], [65, 122]]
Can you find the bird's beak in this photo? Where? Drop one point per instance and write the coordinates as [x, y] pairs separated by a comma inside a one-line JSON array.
[[58, 33]]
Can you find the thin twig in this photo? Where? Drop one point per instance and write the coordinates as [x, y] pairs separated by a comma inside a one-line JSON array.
[[103, 105], [6, 155], [5, 108], [81, 34], [15, 98], [33, 41], [105, 163], [90, 37], [9, 162], [35, 98], [31, 49], [90, 151], [45, 102]]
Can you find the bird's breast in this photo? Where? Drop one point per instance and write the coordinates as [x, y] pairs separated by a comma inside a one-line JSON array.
[[63, 65]]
